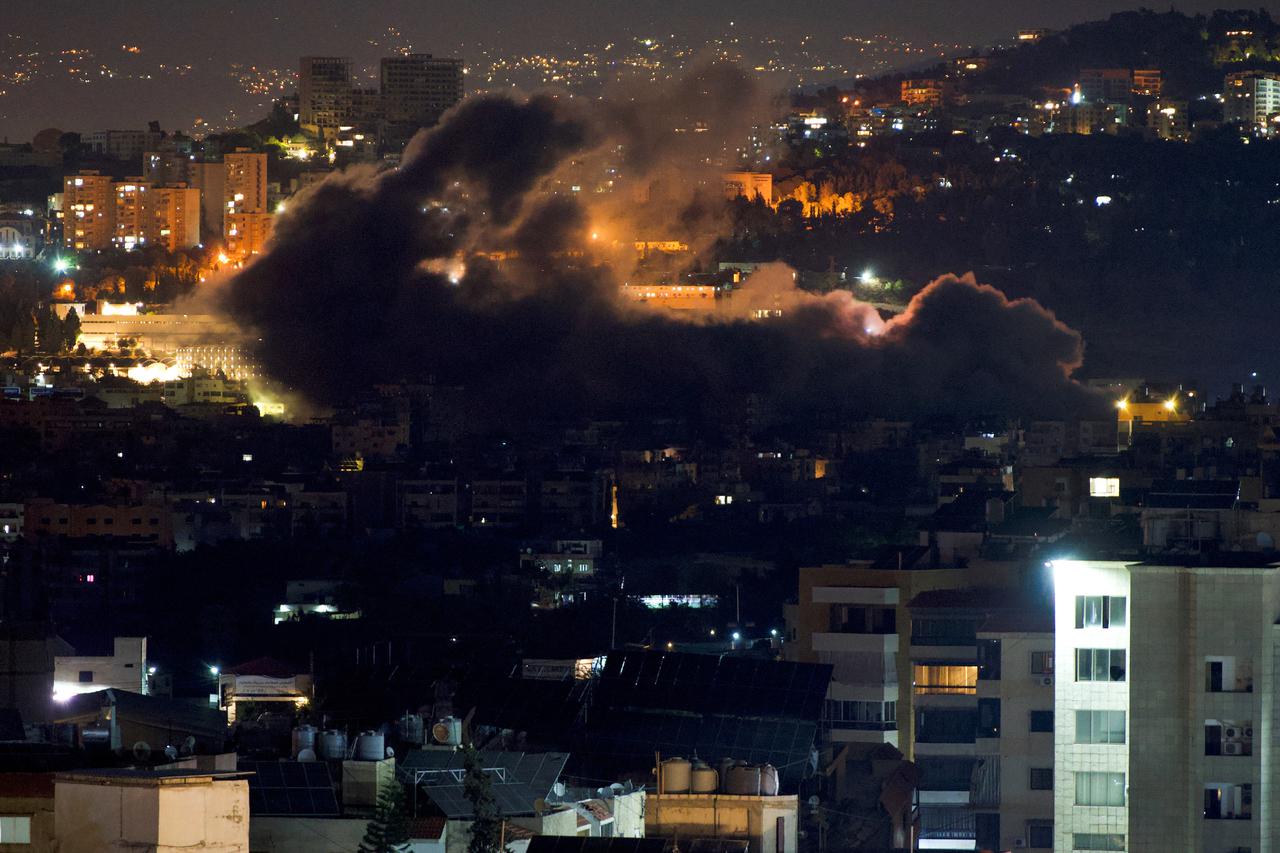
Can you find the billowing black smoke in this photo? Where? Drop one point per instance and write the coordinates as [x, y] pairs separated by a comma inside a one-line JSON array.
[[365, 281]]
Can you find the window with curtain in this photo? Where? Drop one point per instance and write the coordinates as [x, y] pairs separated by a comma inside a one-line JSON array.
[[1099, 789]]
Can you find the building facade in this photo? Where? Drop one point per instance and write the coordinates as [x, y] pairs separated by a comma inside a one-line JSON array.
[[1165, 706]]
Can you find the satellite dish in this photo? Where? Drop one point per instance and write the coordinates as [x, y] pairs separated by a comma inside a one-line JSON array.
[[142, 750], [306, 755], [391, 753], [558, 789], [814, 802]]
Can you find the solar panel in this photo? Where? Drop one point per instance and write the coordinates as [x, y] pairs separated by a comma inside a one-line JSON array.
[[708, 684], [290, 788], [517, 779]]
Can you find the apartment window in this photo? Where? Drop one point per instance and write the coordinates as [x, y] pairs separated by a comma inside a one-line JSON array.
[[1225, 801], [1040, 834], [15, 829], [988, 718], [946, 725], [1042, 663], [86, 676], [945, 678], [1227, 737], [1041, 721], [1227, 675], [988, 660], [1099, 726], [943, 632], [1041, 780], [1099, 664], [870, 716], [1099, 789], [1113, 841], [1100, 611]]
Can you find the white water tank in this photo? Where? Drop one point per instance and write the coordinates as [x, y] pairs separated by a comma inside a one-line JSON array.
[[370, 746], [704, 779], [768, 780], [304, 737], [676, 776], [333, 744]]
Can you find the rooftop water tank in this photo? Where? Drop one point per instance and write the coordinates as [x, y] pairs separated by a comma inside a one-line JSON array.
[[704, 779], [768, 780], [370, 746], [333, 744], [743, 779], [675, 776], [304, 737]]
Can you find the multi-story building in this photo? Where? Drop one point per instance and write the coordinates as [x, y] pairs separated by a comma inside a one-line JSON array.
[[88, 205], [211, 180], [133, 217], [122, 144], [324, 92], [855, 618], [922, 92], [245, 217], [1251, 98], [166, 167], [1164, 702], [1110, 85], [1148, 82], [1168, 120], [175, 220], [981, 663], [416, 90]]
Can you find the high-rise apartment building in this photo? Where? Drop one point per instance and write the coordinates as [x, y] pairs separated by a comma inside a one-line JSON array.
[[165, 167], [175, 222], [133, 217], [1251, 98], [211, 181], [246, 220], [324, 92], [88, 205], [419, 88], [1165, 706]]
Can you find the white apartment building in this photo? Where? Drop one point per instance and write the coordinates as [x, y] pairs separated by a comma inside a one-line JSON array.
[[1251, 97], [1163, 703]]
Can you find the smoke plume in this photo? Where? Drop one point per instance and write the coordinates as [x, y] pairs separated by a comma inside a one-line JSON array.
[[477, 263]]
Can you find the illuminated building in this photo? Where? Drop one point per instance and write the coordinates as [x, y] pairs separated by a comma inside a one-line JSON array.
[[1031, 35], [155, 333], [175, 219], [1148, 82], [246, 234], [750, 185], [231, 360], [88, 204], [124, 669], [20, 234], [324, 92], [259, 686], [133, 217], [680, 297], [922, 92], [1163, 705], [1112, 85], [165, 167], [144, 523], [1251, 98], [416, 90], [1168, 120], [245, 187]]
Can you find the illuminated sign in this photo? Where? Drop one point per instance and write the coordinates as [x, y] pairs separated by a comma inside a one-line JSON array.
[[1104, 487]]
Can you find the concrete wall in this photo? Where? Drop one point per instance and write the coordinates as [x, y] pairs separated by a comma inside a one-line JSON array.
[[122, 815], [753, 819], [306, 834], [124, 669]]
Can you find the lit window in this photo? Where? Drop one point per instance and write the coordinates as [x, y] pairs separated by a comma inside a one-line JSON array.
[[1100, 727], [1104, 487], [1100, 611], [1100, 665], [15, 829]]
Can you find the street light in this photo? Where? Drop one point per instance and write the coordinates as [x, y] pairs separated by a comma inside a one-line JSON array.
[[213, 670]]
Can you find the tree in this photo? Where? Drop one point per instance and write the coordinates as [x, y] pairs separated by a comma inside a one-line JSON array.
[[388, 831], [486, 824], [70, 329]]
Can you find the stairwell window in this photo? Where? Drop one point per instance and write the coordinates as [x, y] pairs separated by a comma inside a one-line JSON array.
[[1100, 665], [1101, 611]]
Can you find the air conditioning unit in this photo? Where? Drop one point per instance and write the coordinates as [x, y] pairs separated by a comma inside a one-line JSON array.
[[1248, 732], [1232, 749], [1231, 733], [1046, 680]]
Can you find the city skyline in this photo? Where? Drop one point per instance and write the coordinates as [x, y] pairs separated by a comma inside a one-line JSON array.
[[136, 65]]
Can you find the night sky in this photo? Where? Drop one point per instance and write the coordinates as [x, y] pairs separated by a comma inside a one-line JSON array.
[[115, 87]]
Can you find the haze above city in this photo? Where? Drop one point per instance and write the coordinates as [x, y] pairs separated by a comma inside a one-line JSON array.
[[219, 65]]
